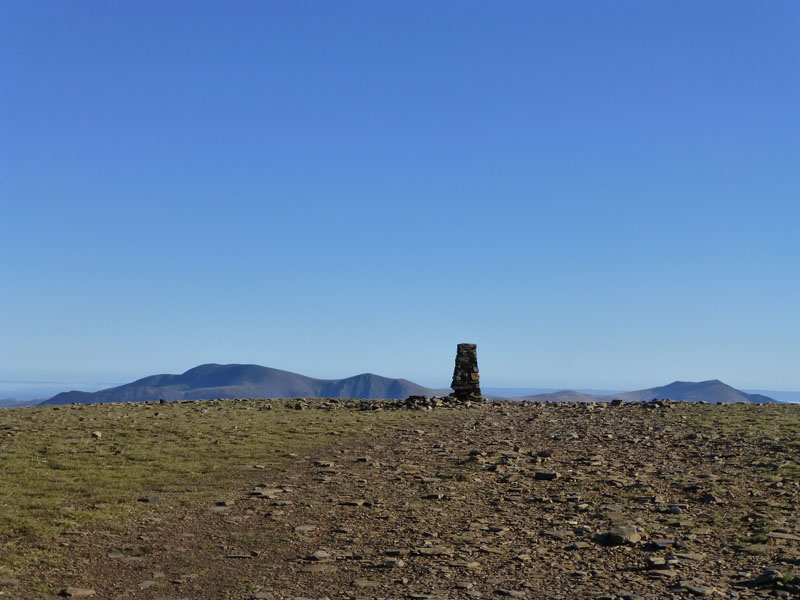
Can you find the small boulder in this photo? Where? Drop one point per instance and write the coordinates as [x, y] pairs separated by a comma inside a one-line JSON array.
[[319, 555], [623, 534]]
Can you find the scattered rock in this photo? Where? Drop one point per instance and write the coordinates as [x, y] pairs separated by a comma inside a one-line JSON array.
[[709, 498], [317, 568], [623, 534], [579, 546], [696, 589], [319, 555], [464, 564], [500, 500], [76, 592], [393, 563], [435, 551], [510, 593]]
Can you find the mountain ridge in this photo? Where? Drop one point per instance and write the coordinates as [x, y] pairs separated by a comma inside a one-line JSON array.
[[711, 390], [212, 380], [209, 381]]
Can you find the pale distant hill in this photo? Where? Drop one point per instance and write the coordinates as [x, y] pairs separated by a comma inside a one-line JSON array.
[[518, 392], [246, 381], [562, 396], [712, 391], [15, 402], [780, 396]]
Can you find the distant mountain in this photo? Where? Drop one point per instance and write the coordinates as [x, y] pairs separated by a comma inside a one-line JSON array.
[[780, 396], [246, 381], [562, 396], [15, 402], [253, 381], [30, 393], [518, 392], [712, 391]]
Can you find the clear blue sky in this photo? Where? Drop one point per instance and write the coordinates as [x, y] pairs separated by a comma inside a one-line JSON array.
[[599, 194]]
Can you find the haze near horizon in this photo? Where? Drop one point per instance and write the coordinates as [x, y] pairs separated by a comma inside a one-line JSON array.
[[599, 195]]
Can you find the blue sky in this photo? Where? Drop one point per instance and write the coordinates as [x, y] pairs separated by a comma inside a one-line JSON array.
[[599, 194]]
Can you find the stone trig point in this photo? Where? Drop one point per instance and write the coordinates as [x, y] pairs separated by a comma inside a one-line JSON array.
[[466, 380]]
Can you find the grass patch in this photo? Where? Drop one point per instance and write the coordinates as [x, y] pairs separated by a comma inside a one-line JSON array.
[[57, 476]]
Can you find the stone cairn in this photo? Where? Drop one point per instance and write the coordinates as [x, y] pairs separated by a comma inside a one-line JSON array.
[[466, 381]]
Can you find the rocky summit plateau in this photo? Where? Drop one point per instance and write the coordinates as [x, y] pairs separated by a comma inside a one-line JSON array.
[[417, 499]]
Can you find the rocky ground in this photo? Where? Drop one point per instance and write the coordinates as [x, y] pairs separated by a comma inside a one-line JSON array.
[[654, 500]]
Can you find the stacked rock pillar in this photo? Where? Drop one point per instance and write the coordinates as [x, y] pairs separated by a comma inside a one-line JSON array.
[[466, 380]]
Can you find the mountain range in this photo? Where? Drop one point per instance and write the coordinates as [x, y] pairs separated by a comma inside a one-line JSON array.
[[210, 381], [712, 391]]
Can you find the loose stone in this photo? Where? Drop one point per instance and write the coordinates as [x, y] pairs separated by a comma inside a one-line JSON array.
[[76, 592]]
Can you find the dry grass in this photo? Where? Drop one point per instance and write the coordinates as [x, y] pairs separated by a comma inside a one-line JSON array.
[[56, 476]]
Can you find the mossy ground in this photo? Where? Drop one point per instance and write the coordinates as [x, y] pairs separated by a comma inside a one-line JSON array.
[[56, 476]]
